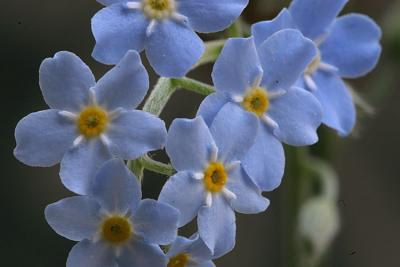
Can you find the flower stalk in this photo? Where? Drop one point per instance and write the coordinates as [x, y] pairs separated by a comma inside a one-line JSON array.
[[155, 166], [193, 85], [211, 53]]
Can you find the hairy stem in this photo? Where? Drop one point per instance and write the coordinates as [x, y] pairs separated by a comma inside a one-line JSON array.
[[193, 85], [211, 53], [235, 30], [137, 168], [159, 97], [164, 89], [156, 166]]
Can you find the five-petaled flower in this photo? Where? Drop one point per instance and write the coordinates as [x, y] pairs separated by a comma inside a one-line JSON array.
[[190, 252], [261, 82], [88, 122], [112, 224], [211, 182], [164, 28], [348, 47], [224, 158]]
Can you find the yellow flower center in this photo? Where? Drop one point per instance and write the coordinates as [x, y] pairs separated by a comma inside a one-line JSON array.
[[116, 229], [215, 177], [313, 66], [179, 260], [158, 9], [92, 121], [256, 101]]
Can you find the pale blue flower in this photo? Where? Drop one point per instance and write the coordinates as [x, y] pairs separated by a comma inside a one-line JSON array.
[[113, 225], [261, 82], [165, 29], [211, 182], [348, 48], [191, 252], [88, 122]]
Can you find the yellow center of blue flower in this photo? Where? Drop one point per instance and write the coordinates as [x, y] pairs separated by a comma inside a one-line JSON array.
[[158, 9], [256, 100], [116, 229], [314, 65], [215, 177], [179, 261], [92, 121]]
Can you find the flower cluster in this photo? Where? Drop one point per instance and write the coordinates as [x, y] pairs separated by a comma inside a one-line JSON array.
[[275, 87]]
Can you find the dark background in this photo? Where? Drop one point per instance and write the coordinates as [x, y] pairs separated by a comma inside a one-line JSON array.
[[367, 162]]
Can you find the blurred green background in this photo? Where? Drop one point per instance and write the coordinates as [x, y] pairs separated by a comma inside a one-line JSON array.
[[367, 162]]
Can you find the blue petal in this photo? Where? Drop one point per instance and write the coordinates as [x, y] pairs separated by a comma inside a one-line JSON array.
[[313, 17], [284, 57], [217, 226], [263, 30], [80, 165], [189, 144], [178, 246], [337, 103], [265, 161], [75, 218], [134, 133], [156, 222], [195, 246], [298, 114], [118, 29], [89, 254], [199, 251], [43, 138], [248, 197], [125, 85], [237, 67], [211, 105], [176, 191], [116, 188], [140, 254], [173, 48], [65, 81], [110, 2], [234, 131], [353, 45], [210, 15]]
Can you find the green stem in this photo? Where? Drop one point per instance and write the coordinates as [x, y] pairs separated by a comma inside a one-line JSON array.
[[159, 97], [211, 53], [156, 166], [193, 85], [235, 30], [164, 89], [137, 168]]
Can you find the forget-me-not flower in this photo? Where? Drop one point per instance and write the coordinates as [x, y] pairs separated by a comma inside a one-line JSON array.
[[191, 252], [113, 225], [211, 182], [165, 29], [261, 82], [88, 122], [348, 47]]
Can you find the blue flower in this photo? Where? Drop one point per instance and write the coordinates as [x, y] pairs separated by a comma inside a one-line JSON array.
[[112, 224], [261, 82], [191, 252], [210, 182], [164, 28], [88, 122], [348, 48]]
